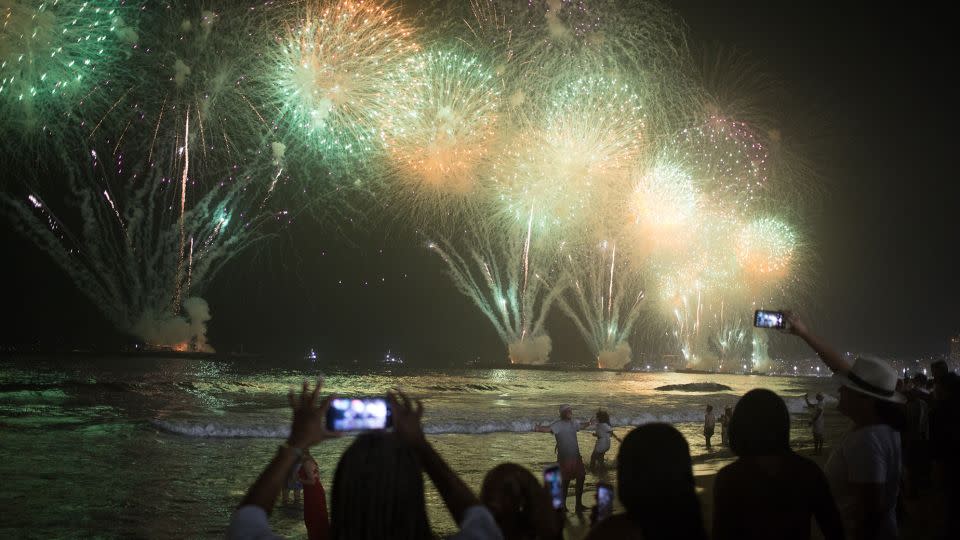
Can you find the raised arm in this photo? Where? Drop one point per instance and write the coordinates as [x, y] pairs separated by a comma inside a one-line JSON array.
[[307, 430], [833, 359], [542, 429], [406, 420], [806, 397]]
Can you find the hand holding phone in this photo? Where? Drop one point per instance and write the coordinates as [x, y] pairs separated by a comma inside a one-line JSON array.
[[554, 484], [604, 501], [359, 414], [763, 318]]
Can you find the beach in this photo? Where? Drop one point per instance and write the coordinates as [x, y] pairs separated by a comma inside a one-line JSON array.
[[707, 464], [167, 447]]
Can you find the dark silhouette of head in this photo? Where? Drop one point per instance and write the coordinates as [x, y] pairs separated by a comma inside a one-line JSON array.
[[378, 491], [655, 478], [939, 369], [519, 503], [603, 417], [760, 425]]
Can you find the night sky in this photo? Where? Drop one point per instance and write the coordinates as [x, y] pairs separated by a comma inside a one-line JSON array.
[[869, 86]]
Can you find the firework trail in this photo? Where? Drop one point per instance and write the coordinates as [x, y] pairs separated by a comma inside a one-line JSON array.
[[729, 339], [760, 355], [695, 283], [509, 278], [122, 247], [738, 267], [604, 301], [193, 61], [52, 54], [691, 225]]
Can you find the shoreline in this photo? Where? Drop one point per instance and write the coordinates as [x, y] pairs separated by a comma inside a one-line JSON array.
[[334, 367]]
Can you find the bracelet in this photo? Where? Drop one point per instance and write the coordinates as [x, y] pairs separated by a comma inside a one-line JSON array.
[[296, 451]]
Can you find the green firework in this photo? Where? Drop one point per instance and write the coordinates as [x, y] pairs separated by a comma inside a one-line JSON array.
[[444, 127], [331, 76], [52, 53]]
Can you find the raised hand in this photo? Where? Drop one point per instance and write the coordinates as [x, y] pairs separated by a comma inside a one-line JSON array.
[[309, 417], [406, 417]]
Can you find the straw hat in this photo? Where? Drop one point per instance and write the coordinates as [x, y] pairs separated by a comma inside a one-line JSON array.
[[873, 377]]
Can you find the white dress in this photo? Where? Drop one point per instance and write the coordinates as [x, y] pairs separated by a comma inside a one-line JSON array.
[[603, 432]]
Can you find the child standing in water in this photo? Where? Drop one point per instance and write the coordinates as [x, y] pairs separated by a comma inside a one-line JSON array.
[[603, 432], [709, 423], [293, 484], [725, 426]]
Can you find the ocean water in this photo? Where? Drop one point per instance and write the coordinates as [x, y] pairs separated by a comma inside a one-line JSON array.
[[165, 447]]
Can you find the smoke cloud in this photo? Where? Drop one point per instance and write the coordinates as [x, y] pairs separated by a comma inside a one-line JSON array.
[[167, 330], [198, 313], [532, 351], [615, 359]]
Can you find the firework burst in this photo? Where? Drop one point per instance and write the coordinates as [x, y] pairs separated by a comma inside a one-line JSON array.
[[332, 73], [190, 69], [538, 40], [52, 53], [573, 168], [766, 248], [663, 208], [728, 161], [444, 126]]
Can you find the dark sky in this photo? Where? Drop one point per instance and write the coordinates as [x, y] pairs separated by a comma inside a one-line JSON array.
[[872, 82]]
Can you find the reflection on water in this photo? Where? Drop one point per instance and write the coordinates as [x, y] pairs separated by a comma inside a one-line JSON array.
[[167, 447]]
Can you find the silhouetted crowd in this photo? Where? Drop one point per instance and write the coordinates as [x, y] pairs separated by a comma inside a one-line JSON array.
[[903, 446]]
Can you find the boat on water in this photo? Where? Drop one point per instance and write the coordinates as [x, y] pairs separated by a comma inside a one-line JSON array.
[[392, 359]]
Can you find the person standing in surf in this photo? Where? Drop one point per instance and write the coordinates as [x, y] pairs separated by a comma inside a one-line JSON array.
[[568, 452], [603, 433], [709, 424]]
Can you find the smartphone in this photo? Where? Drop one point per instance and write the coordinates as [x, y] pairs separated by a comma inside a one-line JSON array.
[[554, 484], [359, 414], [604, 501], [763, 318]]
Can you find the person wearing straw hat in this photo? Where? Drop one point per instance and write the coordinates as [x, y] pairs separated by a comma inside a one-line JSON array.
[[864, 468]]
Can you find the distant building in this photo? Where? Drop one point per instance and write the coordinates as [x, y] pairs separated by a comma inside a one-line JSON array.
[[955, 349]]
